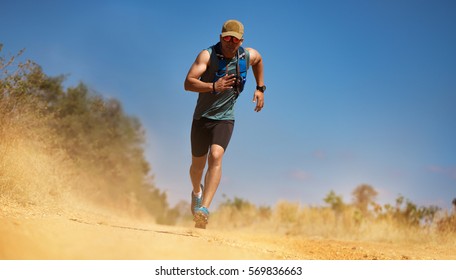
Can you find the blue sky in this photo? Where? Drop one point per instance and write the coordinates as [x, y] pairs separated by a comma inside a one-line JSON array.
[[358, 91]]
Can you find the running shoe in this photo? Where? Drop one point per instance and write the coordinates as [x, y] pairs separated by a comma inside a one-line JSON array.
[[201, 217], [196, 202]]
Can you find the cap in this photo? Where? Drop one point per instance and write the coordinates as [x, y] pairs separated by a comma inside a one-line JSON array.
[[233, 28]]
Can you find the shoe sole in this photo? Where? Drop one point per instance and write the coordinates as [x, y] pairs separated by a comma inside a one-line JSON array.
[[200, 220]]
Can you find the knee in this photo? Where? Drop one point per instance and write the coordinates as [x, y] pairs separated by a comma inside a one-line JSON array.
[[216, 158]]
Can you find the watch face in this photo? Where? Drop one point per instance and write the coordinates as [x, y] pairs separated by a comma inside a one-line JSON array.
[[262, 88]]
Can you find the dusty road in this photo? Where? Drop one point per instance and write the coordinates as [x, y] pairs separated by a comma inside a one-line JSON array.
[[79, 236]]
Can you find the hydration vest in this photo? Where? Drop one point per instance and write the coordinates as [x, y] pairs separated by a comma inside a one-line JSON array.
[[241, 67]]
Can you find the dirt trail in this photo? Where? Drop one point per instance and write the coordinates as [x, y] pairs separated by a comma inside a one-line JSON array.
[[74, 238], [63, 236]]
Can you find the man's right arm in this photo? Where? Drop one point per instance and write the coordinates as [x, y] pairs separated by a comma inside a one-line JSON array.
[[192, 81]]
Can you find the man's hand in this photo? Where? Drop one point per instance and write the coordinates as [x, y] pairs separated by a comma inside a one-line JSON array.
[[258, 98], [224, 83]]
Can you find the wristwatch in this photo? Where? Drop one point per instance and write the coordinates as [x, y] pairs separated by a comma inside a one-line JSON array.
[[261, 88]]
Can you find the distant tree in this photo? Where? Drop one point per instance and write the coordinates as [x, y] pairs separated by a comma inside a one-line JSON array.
[[399, 200], [364, 195], [410, 214], [429, 213], [335, 201], [237, 203]]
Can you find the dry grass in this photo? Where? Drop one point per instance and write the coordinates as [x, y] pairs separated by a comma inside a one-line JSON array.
[[293, 219]]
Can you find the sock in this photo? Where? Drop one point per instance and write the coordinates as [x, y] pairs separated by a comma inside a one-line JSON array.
[[199, 195]]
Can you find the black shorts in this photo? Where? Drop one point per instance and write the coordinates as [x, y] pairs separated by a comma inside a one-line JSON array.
[[206, 132]]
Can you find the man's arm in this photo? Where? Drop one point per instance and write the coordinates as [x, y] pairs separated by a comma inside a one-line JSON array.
[[193, 82], [256, 62]]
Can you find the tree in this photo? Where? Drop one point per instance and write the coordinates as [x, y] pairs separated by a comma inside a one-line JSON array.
[[364, 195], [335, 201]]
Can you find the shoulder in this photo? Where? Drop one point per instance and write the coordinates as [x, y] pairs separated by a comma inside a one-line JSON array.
[[253, 53], [204, 56], [255, 56]]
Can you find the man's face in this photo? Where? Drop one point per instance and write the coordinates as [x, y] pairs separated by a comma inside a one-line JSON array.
[[230, 44]]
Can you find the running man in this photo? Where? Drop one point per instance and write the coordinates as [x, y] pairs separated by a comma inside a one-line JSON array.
[[218, 75]]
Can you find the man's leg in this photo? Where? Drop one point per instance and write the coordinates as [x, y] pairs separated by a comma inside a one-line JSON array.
[[213, 174], [196, 172]]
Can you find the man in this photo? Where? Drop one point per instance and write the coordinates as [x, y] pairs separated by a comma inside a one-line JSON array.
[[218, 75]]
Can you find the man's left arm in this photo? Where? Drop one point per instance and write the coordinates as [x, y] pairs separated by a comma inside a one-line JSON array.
[[256, 62]]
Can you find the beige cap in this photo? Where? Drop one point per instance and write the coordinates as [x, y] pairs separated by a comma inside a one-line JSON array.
[[233, 28]]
